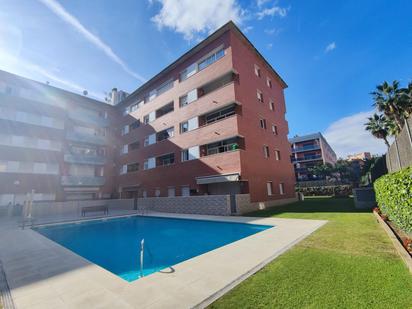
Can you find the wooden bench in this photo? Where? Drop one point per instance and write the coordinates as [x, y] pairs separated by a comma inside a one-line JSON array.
[[103, 208]]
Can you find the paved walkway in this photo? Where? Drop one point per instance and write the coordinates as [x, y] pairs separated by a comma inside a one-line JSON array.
[[43, 274]]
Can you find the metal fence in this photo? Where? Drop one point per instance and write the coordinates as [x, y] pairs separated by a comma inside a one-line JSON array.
[[399, 155]]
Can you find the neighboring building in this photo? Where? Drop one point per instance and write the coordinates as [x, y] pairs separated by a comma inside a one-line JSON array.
[[360, 156], [308, 151], [357, 162], [52, 141], [212, 122]]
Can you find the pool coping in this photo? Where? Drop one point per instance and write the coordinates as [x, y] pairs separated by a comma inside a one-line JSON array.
[[195, 282]]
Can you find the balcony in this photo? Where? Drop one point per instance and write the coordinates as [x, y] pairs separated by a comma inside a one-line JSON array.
[[86, 181], [307, 158], [306, 148], [88, 118], [84, 159], [86, 138]]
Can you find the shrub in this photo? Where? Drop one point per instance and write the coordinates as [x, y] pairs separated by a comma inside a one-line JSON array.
[[394, 197], [338, 190]]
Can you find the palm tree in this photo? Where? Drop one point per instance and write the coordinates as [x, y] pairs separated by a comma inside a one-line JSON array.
[[378, 126], [388, 100]]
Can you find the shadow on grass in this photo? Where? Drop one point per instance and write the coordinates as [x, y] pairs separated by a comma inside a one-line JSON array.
[[313, 205]]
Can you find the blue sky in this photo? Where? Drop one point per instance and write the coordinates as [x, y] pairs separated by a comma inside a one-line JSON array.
[[331, 53]]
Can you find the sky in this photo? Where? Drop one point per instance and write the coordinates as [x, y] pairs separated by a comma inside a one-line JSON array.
[[332, 54]]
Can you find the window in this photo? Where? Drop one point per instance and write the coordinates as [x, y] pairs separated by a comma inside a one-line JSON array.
[[211, 59], [146, 119], [124, 149], [133, 167], [282, 188], [269, 187], [272, 105], [266, 151], [262, 123], [268, 82], [134, 145], [277, 155], [185, 191], [189, 125], [165, 134], [189, 71], [135, 124], [202, 64], [259, 95], [165, 160], [184, 127], [257, 71], [164, 87], [190, 154], [188, 98], [171, 192], [125, 130], [149, 163], [150, 140], [274, 129]]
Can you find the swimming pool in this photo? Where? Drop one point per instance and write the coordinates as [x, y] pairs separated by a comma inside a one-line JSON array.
[[114, 244]]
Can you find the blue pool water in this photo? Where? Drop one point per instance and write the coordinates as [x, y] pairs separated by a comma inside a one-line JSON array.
[[115, 244]]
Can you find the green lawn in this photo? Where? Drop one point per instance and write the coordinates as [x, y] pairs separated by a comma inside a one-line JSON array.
[[348, 263]]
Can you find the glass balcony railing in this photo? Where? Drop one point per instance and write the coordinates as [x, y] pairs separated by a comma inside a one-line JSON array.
[[305, 148], [88, 118], [86, 138], [86, 181], [84, 159], [307, 158]]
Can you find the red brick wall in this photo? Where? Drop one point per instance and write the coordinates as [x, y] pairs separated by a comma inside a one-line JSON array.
[[255, 168]]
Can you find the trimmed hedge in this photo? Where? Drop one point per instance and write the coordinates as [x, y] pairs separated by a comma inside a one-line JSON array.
[[394, 197], [338, 190]]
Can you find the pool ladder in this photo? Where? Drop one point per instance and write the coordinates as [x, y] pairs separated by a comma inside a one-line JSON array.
[[141, 257]]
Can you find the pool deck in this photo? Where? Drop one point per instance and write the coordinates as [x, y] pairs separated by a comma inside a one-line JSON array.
[[42, 274]]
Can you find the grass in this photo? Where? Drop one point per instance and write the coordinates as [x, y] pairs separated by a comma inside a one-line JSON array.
[[348, 263]]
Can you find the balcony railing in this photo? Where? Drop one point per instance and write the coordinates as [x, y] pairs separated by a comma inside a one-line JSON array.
[[305, 148], [86, 138], [307, 158], [84, 159], [86, 181], [88, 118]]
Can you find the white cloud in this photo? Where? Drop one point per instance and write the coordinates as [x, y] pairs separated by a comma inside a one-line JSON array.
[[330, 47], [260, 3], [59, 10], [348, 136], [269, 46], [247, 29], [273, 11], [192, 18], [273, 31]]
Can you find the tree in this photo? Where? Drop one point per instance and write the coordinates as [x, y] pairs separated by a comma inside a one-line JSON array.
[[322, 170], [379, 127], [389, 100]]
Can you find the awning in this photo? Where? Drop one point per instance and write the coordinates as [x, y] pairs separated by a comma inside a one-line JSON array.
[[217, 178]]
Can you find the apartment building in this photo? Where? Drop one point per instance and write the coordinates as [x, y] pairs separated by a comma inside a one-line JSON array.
[[212, 122], [53, 142], [308, 151]]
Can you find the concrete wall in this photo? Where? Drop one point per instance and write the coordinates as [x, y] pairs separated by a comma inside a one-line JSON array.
[[399, 155], [244, 205]]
